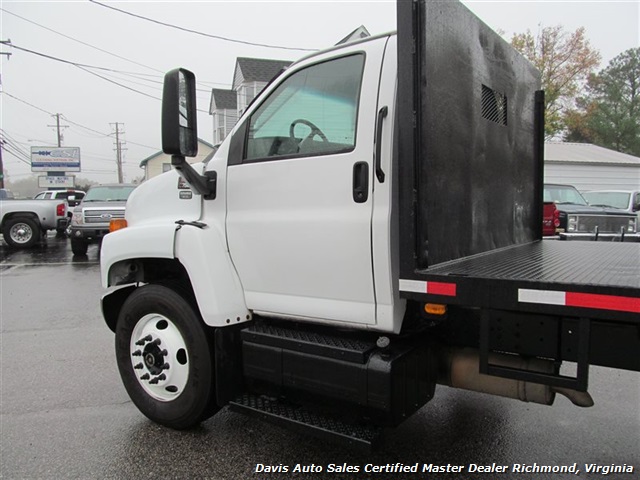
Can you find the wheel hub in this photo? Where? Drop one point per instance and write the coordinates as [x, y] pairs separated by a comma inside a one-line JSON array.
[[159, 357], [21, 233], [153, 358]]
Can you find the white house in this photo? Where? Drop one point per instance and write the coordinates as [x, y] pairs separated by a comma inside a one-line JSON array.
[[589, 167], [224, 110], [160, 162], [250, 76]]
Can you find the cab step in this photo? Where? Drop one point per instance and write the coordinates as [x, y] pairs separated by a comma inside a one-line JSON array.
[[305, 420]]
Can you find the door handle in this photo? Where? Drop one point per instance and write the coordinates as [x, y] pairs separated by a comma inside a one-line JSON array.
[[360, 182], [378, 160]]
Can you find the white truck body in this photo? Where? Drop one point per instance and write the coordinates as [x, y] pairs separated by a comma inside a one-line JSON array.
[[371, 227]]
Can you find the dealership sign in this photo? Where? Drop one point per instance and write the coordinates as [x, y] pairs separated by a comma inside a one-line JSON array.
[[55, 159], [50, 181]]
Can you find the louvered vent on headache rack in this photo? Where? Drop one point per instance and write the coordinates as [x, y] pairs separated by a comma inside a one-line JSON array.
[[494, 106]]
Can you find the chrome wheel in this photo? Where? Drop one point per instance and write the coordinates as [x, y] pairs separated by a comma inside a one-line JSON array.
[[21, 233]]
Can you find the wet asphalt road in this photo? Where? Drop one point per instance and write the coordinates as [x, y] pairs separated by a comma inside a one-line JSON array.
[[64, 413]]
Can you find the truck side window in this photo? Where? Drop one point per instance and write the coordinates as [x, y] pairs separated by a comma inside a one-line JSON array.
[[313, 112]]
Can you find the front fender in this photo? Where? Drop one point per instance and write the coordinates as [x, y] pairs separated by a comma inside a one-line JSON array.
[[217, 288], [145, 241], [201, 251]]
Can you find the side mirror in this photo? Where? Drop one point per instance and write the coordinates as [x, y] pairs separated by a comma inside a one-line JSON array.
[[180, 130], [179, 115]]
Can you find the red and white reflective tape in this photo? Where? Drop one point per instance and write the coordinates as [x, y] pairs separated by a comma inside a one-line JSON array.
[[582, 300], [433, 288]]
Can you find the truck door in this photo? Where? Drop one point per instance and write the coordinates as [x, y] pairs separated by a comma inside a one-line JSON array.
[[300, 187]]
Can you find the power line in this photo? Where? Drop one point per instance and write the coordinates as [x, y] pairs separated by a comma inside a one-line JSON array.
[[81, 42], [102, 134], [53, 114], [4, 92], [116, 83], [69, 62], [202, 33]]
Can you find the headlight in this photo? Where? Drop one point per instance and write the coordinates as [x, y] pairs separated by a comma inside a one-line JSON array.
[[76, 219], [632, 227], [572, 224]]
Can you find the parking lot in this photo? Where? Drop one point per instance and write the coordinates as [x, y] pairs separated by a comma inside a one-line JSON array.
[[65, 414]]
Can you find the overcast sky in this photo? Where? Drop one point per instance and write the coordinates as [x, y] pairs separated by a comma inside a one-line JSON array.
[[34, 87]]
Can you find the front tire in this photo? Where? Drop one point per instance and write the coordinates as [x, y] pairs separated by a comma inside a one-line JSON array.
[[21, 232], [79, 246], [165, 357]]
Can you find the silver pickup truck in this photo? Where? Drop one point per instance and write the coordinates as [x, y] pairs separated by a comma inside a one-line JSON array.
[[24, 222], [90, 220]]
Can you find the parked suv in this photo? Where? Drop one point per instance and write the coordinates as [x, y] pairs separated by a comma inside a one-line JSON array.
[[577, 220], [90, 220]]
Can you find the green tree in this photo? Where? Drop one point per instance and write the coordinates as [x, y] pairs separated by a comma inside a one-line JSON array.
[[565, 61], [609, 113]]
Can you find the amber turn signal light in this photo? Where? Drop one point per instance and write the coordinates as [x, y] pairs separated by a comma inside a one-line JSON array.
[[117, 224], [435, 309]]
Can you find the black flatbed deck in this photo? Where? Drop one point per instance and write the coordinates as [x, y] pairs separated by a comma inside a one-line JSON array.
[[582, 279]]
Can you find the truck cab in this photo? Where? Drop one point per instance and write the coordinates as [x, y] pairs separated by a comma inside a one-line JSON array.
[[296, 197]]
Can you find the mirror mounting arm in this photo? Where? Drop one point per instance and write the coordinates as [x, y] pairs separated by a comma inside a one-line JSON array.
[[205, 185]]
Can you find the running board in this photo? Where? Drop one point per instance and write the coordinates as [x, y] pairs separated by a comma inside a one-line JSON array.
[[307, 421]]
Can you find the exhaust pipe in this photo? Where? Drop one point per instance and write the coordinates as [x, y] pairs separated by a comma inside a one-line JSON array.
[[460, 368]]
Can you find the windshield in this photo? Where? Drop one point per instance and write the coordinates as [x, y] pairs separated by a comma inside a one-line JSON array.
[[563, 194], [611, 199], [108, 194]]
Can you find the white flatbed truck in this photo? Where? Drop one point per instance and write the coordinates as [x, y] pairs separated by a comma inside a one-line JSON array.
[[369, 229]]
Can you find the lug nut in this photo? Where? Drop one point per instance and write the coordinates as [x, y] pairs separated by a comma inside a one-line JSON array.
[[137, 353], [138, 366], [144, 340], [162, 376], [165, 366], [145, 377]]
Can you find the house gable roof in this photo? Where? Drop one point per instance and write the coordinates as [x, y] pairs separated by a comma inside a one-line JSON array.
[[358, 34], [223, 99], [256, 70], [586, 153]]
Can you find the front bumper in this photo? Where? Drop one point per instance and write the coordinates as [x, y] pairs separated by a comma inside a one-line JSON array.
[[89, 234], [601, 237]]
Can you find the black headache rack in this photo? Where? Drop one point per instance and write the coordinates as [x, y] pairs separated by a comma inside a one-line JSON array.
[[469, 153]]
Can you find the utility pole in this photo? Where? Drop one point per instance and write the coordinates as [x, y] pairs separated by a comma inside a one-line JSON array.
[[57, 125], [3, 42], [119, 150], [1, 166], [6, 42]]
